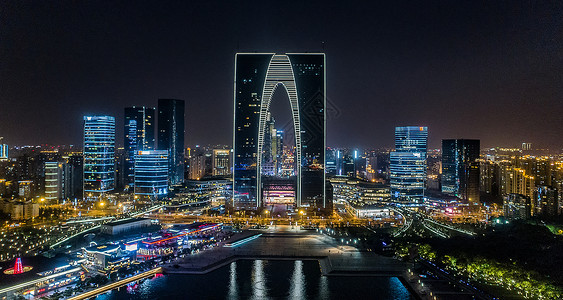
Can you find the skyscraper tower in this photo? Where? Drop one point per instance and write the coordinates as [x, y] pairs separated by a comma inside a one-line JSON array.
[[99, 152], [460, 169], [138, 136], [3, 150], [171, 136], [408, 164], [257, 77]]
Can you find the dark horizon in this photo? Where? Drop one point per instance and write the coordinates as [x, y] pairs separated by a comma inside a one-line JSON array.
[[474, 70]]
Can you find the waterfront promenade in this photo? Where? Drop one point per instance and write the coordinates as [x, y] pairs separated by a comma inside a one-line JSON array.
[[286, 243]]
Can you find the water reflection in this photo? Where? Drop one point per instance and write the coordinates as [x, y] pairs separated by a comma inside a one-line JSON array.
[[233, 290], [297, 288], [258, 280], [324, 292], [264, 280]]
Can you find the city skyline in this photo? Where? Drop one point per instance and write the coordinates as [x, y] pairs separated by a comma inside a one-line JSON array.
[[497, 65], [265, 150]]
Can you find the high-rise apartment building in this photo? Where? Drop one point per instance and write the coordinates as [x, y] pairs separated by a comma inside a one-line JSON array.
[[517, 206], [460, 169], [138, 136], [197, 166], [408, 164], [546, 203], [99, 152], [171, 116]]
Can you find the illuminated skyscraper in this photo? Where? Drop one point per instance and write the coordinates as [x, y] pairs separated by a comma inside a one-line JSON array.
[[408, 164], [171, 136], [151, 173], [53, 181], [257, 77], [99, 152], [221, 162], [138, 135], [460, 169], [3, 150]]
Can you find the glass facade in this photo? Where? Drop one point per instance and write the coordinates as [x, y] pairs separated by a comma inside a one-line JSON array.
[[3, 151], [408, 164], [151, 173], [460, 169], [99, 155], [257, 76], [171, 136], [138, 135]]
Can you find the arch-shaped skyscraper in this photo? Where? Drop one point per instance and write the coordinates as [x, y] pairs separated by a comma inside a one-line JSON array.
[[257, 76]]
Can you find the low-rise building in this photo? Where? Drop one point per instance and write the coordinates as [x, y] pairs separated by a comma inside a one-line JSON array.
[[125, 225], [106, 256], [20, 210]]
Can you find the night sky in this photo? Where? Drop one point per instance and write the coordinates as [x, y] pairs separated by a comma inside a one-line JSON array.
[[465, 69]]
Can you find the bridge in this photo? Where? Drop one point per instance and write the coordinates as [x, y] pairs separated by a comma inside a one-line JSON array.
[[117, 284]]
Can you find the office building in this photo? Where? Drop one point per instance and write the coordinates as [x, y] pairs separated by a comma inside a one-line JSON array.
[[408, 164], [257, 77], [3, 151], [151, 174], [460, 169], [171, 136], [221, 162], [53, 181], [138, 136], [73, 181], [99, 152]]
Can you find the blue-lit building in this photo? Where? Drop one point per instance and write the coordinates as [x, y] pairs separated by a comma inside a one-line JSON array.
[[138, 135], [151, 173], [99, 155], [331, 161], [3, 151], [171, 136], [408, 164]]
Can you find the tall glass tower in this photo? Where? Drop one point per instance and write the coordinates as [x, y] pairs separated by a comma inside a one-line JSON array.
[[99, 155], [138, 135], [408, 164], [460, 169], [151, 173], [3, 151], [171, 136], [257, 77]]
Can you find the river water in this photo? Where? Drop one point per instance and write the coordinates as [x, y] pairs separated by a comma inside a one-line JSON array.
[[260, 279]]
